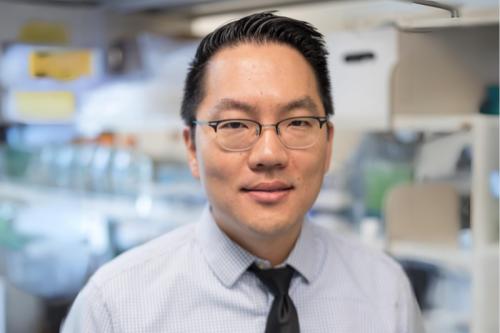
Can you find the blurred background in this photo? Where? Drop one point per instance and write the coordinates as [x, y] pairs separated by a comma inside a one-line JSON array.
[[92, 163]]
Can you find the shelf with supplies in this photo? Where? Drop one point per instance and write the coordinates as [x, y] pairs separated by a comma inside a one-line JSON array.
[[110, 205], [435, 79], [475, 251], [42, 83]]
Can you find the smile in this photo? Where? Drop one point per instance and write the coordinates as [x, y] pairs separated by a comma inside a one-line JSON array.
[[268, 193]]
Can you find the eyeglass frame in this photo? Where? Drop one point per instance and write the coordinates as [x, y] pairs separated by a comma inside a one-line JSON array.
[[215, 123]]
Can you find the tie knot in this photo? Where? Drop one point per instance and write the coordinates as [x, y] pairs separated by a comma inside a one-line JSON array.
[[277, 280]]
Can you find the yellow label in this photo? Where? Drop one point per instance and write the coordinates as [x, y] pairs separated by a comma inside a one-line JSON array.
[[42, 32], [61, 65], [48, 106]]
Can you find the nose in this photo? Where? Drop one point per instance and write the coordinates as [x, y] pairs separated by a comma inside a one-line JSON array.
[[268, 152]]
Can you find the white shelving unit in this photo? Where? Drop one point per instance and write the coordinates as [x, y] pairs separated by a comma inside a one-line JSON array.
[[485, 226], [438, 86], [481, 261]]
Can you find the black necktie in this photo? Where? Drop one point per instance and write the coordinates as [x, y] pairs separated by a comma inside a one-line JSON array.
[[282, 317]]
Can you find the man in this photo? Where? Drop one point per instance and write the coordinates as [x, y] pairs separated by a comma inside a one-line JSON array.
[[256, 106]]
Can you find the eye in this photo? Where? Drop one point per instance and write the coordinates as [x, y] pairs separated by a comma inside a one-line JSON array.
[[300, 123], [233, 125]]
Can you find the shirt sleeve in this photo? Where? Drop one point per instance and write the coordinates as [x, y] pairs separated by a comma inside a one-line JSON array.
[[409, 316], [89, 313]]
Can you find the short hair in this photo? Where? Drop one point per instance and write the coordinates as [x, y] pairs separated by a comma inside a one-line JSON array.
[[264, 27]]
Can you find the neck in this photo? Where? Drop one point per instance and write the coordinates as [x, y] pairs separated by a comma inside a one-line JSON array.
[[274, 247], [275, 251]]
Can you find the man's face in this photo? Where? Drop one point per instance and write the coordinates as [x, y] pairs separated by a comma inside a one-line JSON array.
[[264, 191]]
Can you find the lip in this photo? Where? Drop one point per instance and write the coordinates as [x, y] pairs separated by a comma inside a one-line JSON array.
[[268, 192]]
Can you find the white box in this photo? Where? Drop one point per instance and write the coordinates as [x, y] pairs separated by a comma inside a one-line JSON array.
[[361, 66]]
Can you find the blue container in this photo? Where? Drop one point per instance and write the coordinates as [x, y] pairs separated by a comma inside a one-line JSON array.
[[490, 104]]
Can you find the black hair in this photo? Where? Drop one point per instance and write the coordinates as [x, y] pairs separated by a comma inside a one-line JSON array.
[[259, 28]]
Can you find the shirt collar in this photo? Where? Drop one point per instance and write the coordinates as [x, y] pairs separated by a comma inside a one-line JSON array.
[[308, 254], [229, 261]]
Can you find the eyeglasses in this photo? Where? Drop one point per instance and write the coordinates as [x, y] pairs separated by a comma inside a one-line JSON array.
[[242, 134]]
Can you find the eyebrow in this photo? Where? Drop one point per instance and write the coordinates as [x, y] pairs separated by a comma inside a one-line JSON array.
[[232, 104], [226, 104], [302, 103]]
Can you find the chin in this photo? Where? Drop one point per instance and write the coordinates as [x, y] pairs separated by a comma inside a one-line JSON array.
[[269, 228]]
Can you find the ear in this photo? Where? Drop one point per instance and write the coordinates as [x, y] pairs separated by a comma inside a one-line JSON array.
[[329, 146], [191, 151]]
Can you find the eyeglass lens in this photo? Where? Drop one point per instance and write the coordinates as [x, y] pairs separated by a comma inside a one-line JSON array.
[[295, 133]]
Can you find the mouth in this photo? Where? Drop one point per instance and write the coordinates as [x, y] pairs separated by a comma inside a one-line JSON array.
[[268, 192]]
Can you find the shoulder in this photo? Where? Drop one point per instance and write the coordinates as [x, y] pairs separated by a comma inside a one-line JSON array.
[[353, 250], [367, 269], [138, 275], [358, 272], [360, 254], [143, 260]]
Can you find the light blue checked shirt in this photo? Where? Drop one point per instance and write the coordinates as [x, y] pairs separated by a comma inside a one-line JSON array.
[[195, 279]]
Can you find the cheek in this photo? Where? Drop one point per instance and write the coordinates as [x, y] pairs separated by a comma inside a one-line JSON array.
[[219, 169], [310, 174]]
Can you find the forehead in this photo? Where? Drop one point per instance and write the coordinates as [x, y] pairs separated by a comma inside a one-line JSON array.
[[263, 75]]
